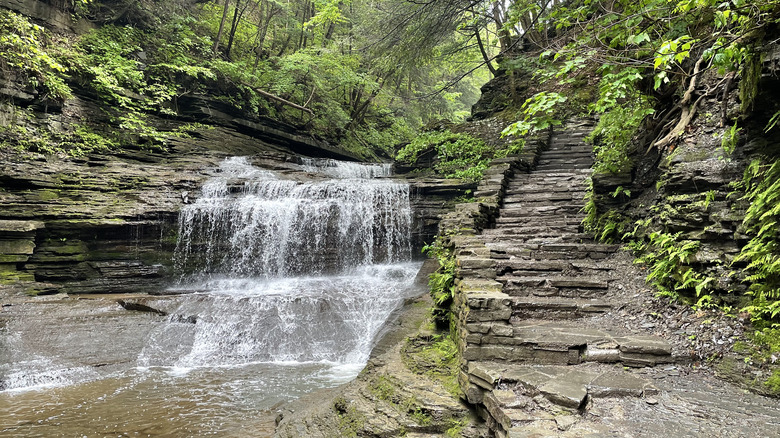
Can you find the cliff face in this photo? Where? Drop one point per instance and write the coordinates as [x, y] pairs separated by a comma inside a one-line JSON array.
[[693, 191]]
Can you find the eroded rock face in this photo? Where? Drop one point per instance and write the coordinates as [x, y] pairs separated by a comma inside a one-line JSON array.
[[108, 222]]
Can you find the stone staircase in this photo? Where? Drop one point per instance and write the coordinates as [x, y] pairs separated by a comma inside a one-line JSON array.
[[526, 290]]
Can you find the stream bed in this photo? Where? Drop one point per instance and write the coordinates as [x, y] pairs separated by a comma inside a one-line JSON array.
[[284, 287]]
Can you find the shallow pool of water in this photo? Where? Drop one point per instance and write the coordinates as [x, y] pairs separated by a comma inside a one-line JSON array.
[[214, 364]]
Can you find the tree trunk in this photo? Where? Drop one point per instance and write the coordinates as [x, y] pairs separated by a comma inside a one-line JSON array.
[[504, 38], [233, 28], [482, 50], [221, 27]]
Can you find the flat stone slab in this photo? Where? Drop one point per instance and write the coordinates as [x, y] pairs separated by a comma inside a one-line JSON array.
[[15, 226], [563, 385], [558, 307], [564, 392], [477, 285], [586, 344], [561, 281]]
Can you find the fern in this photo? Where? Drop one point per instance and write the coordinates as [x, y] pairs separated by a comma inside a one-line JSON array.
[[669, 262], [761, 254]]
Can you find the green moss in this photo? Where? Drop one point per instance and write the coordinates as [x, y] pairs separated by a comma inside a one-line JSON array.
[[8, 278], [435, 357], [47, 195], [773, 382], [351, 422], [455, 429], [384, 388], [13, 258], [759, 369]]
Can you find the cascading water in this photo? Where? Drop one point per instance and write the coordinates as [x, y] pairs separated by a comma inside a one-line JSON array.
[[289, 271], [285, 285], [249, 223]]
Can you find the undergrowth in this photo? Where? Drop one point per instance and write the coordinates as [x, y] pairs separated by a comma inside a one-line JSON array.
[[458, 155], [442, 282], [436, 357], [761, 254]]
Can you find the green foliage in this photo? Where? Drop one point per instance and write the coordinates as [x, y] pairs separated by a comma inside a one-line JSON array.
[[108, 61], [442, 282], [351, 422], [87, 141], [748, 85], [669, 259], [730, 140], [764, 351], [539, 113], [622, 108], [459, 155], [25, 57], [435, 357], [761, 184], [390, 389]]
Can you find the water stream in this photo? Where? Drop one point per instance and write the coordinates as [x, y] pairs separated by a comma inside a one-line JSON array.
[[285, 284]]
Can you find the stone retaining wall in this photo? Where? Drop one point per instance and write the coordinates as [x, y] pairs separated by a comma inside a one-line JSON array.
[[481, 309]]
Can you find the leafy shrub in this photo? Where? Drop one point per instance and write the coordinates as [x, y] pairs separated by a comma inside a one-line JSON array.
[[460, 155], [539, 113], [442, 282], [622, 108], [24, 56], [669, 261]]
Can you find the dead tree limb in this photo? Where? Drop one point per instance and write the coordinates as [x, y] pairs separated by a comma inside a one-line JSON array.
[[281, 100]]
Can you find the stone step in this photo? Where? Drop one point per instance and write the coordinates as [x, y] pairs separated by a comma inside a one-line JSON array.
[[545, 197], [537, 220], [575, 247], [569, 233], [555, 209], [564, 163], [542, 268], [546, 229], [556, 307], [571, 152], [561, 385], [554, 286], [566, 343], [542, 251], [532, 189], [573, 147], [559, 200], [560, 174], [547, 167], [574, 138], [571, 237]]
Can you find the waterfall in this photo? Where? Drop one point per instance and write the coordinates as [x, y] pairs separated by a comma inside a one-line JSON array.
[[247, 222], [287, 271]]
